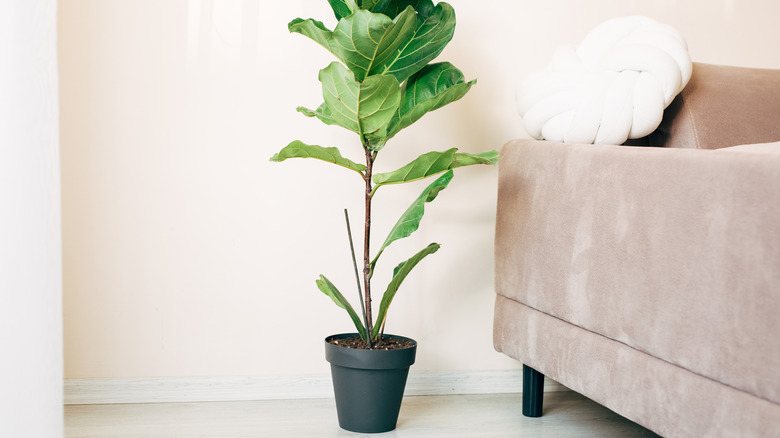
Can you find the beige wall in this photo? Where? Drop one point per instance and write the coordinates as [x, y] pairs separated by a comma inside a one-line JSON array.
[[187, 253]]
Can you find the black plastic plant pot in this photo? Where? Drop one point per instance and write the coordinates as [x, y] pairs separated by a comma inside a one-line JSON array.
[[369, 384]]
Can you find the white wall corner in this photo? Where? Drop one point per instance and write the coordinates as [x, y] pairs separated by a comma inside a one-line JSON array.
[[31, 367]]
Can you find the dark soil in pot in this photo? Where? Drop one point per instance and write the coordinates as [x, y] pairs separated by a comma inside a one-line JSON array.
[[387, 343]]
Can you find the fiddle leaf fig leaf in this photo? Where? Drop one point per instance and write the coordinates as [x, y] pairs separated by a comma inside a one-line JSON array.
[[371, 43], [315, 30], [373, 5], [298, 149], [343, 8], [324, 285], [433, 87], [363, 41], [392, 8], [399, 274], [365, 108], [435, 27], [322, 113], [409, 222], [432, 163], [368, 41], [422, 167], [462, 159]]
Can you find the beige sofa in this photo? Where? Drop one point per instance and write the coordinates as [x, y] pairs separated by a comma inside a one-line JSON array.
[[648, 278]]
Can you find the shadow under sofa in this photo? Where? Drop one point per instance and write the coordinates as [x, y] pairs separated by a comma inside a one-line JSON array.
[[648, 278]]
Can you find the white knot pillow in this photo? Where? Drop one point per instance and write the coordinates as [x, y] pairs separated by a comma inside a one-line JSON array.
[[614, 86]]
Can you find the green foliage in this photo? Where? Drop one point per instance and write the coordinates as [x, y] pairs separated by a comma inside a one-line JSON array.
[[410, 220], [384, 83], [399, 274], [298, 149], [431, 88], [371, 43], [433, 163], [330, 290], [366, 107]]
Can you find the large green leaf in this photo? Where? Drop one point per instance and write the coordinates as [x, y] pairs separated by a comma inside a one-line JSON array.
[[365, 108], [373, 5], [369, 41], [433, 163], [409, 222], [399, 274], [372, 43], [392, 8], [435, 27], [330, 290], [343, 8], [431, 88], [363, 41], [298, 149]]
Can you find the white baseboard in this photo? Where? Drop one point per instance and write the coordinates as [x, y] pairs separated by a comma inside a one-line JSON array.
[[202, 389]]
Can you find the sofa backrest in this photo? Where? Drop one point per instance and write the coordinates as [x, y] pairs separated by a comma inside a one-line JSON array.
[[722, 106]]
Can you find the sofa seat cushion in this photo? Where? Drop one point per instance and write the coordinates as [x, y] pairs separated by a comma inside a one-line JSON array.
[[673, 252], [663, 397]]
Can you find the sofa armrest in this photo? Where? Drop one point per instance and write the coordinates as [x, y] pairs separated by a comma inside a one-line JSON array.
[[722, 106]]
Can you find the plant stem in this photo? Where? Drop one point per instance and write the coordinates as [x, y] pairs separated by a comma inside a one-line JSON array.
[[354, 263], [366, 244]]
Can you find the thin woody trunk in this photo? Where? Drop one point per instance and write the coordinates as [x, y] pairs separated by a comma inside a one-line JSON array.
[[366, 247], [354, 263]]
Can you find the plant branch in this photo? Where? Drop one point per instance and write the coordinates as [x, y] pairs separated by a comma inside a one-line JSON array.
[[357, 275], [370, 157]]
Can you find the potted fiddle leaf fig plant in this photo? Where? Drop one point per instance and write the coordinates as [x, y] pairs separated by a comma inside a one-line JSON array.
[[383, 82]]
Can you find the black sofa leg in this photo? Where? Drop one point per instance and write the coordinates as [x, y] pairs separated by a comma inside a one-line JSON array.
[[533, 392]]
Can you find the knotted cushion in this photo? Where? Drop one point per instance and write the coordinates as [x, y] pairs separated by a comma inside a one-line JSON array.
[[614, 86]]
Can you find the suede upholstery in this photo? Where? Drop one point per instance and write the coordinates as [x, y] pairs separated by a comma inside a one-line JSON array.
[[648, 279], [722, 106]]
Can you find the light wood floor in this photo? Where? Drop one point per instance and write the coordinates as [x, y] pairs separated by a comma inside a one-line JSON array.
[[567, 414]]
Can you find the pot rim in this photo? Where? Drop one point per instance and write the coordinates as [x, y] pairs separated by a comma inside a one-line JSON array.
[[369, 359]]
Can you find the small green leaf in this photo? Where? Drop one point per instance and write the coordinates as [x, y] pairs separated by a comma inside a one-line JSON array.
[[322, 113], [313, 29], [298, 149], [365, 108], [330, 290], [462, 160], [432, 163], [422, 167], [399, 274], [409, 222]]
